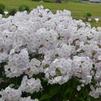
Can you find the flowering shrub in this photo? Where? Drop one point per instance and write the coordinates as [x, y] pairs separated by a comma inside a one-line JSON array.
[[50, 57]]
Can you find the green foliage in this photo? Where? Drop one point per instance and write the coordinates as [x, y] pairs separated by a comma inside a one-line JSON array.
[[88, 14], [2, 8], [23, 8], [67, 91], [12, 11]]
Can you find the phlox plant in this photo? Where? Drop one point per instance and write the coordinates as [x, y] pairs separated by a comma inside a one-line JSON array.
[[49, 57]]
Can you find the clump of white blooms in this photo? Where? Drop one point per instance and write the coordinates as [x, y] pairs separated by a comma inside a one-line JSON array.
[[17, 63], [10, 94], [54, 44], [30, 85]]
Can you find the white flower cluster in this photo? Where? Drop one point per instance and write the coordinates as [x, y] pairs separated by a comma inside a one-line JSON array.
[[30, 85], [10, 94], [54, 44]]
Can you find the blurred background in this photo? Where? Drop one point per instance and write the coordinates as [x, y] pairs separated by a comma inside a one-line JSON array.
[[87, 10]]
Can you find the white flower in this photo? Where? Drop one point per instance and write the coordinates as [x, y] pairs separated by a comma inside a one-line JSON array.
[[78, 88], [64, 51], [97, 19], [10, 94], [96, 92], [30, 85], [3, 57], [80, 68], [5, 12], [34, 68], [17, 64], [58, 70]]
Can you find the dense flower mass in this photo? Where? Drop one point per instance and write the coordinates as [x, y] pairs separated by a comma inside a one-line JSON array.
[[56, 45]]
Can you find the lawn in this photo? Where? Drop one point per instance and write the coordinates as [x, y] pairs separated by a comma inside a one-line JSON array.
[[78, 9]]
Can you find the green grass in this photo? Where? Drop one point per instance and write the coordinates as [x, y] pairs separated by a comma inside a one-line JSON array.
[[78, 9]]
